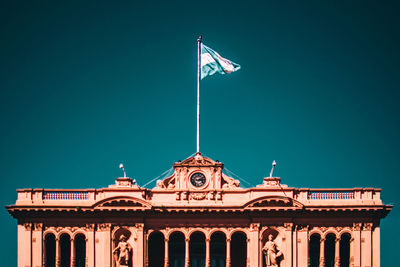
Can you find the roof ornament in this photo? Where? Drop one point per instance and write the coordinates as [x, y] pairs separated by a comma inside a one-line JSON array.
[[121, 166], [272, 170]]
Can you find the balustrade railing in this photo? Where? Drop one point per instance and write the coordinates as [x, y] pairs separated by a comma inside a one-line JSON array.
[[320, 195], [58, 195]]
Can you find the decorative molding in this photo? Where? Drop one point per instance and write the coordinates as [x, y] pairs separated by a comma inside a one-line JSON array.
[[38, 226], [288, 226], [104, 226], [28, 226], [198, 195], [357, 226], [368, 226], [89, 227]]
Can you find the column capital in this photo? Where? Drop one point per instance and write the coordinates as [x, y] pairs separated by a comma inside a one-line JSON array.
[[288, 226], [357, 226], [104, 226], [368, 226]]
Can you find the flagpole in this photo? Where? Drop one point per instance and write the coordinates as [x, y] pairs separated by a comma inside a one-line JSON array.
[[198, 91]]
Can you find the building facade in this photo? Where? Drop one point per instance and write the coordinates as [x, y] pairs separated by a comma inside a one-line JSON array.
[[199, 217]]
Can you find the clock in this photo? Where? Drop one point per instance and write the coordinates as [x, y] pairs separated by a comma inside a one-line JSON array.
[[198, 179]]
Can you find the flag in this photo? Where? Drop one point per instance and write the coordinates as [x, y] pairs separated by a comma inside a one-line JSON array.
[[212, 62]]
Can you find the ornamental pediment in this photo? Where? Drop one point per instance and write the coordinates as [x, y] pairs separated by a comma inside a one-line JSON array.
[[122, 202], [273, 201]]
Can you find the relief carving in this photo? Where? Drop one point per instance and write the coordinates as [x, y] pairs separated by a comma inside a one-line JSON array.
[[368, 226], [357, 226], [104, 226]]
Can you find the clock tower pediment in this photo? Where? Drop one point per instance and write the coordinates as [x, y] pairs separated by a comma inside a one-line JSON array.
[[198, 173]]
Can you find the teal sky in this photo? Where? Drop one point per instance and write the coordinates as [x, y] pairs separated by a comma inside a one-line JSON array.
[[86, 85]]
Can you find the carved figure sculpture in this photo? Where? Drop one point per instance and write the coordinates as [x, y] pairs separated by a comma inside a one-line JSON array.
[[271, 253], [122, 252]]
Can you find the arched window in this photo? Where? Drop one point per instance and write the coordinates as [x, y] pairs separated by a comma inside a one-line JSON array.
[[50, 250], [238, 249], [176, 249], [314, 248], [80, 250], [345, 250], [197, 249], [65, 249], [156, 249], [330, 250], [218, 249]]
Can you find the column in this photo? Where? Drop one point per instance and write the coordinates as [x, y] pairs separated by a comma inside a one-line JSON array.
[[24, 245], [255, 253], [37, 245], [289, 252], [146, 251], [103, 245], [187, 259], [356, 245], [44, 252], [166, 256], [208, 260], [376, 246], [140, 244], [228, 252], [58, 252], [366, 245], [73, 255], [248, 252], [302, 246], [90, 245], [295, 248], [322, 252], [337, 252]]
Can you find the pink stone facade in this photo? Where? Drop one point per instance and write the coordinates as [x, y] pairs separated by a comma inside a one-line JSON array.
[[199, 217]]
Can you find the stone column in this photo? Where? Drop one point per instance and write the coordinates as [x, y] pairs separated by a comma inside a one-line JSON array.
[[58, 252], [356, 244], [90, 244], [103, 247], [302, 246], [376, 246], [248, 252], [187, 259], [255, 253], [166, 256], [208, 260], [288, 236], [73, 255], [337, 252], [295, 247], [25, 245], [37, 245], [139, 252], [228, 252], [322, 252], [366, 245]]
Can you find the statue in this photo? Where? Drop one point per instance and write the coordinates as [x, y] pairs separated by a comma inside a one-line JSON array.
[[271, 252], [122, 252]]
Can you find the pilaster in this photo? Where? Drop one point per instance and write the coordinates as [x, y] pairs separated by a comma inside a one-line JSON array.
[[254, 253], [356, 245], [90, 244], [25, 245], [37, 245], [366, 245], [376, 246], [289, 246], [302, 246], [139, 253], [103, 245]]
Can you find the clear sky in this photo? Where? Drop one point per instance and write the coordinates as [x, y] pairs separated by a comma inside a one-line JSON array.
[[86, 85]]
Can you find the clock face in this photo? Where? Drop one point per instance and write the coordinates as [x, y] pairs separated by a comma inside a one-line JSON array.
[[198, 179]]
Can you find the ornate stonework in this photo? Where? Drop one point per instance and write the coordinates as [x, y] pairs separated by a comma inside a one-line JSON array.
[[198, 205]]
